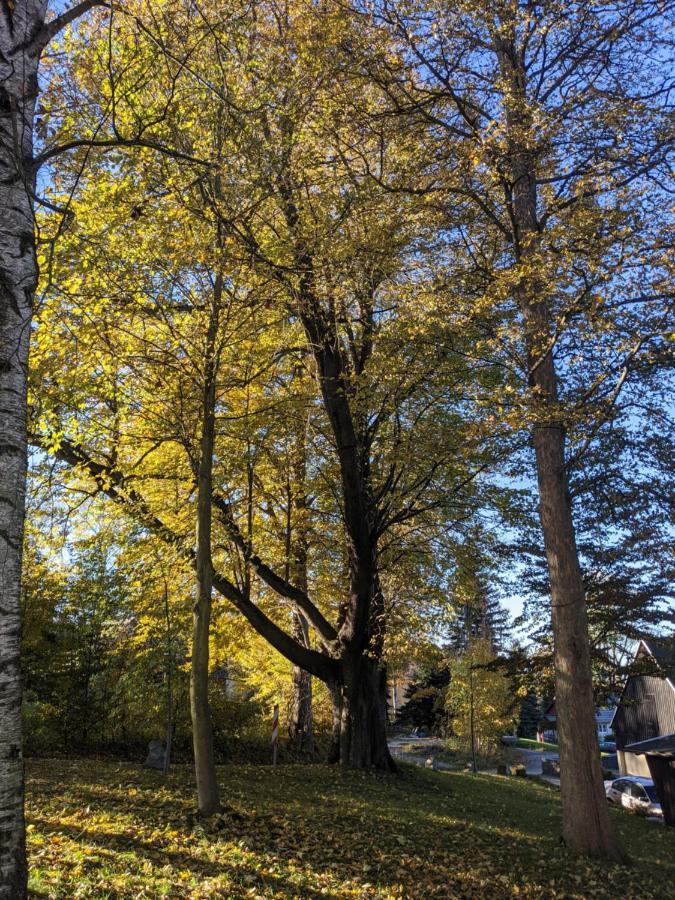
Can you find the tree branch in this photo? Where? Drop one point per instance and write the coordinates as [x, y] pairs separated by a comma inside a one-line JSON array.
[[113, 484], [279, 585], [50, 29]]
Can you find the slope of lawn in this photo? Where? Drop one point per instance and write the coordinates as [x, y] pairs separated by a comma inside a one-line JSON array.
[[106, 829]]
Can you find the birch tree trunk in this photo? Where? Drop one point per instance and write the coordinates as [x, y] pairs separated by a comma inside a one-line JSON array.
[[18, 282], [23, 36]]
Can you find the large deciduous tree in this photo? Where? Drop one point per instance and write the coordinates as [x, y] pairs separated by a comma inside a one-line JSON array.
[[550, 122], [331, 265]]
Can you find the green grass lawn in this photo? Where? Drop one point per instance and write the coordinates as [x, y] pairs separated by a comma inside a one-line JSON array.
[[529, 744], [105, 829]]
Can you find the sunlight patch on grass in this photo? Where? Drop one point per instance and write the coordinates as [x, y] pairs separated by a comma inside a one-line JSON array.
[[101, 829]]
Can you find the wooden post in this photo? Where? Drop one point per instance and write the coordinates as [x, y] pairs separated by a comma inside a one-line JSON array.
[[275, 733], [663, 775]]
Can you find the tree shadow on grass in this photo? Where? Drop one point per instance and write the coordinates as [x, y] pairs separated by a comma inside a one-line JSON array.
[[434, 834], [119, 846]]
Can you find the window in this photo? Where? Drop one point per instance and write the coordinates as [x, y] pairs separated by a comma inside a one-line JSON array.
[[637, 791]]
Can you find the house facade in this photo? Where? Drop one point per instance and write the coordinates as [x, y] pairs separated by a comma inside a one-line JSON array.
[[646, 709], [603, 722]]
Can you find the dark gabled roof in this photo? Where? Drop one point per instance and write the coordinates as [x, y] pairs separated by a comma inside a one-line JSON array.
[[664, 745], [663, 651]]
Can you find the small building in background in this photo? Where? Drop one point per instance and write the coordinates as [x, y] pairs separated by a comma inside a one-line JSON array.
[[603, 722], [646, 709]]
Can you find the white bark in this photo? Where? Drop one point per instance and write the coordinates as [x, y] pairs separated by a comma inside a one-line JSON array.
[[19, 59]]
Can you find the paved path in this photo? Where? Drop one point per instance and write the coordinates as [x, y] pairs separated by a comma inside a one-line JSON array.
[[533, 759], [418, 750]]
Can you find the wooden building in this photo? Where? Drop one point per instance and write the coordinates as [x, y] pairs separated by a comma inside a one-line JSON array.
[[659, 753], [646, 709]]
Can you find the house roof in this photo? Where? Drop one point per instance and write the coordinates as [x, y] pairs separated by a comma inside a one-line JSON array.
[[602, 713], [664, 745], [663, 651]]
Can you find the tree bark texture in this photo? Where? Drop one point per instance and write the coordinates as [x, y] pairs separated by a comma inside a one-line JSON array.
[[19, 61], [301, 722], [363, 726], [586, 823], [335, 692], [208, 797]]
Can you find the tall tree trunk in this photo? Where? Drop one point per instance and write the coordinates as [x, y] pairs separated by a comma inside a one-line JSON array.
[[586, 824], [301, 723], [23, 36], [202, 733], [335, 692], [18, 282], [169, 680]]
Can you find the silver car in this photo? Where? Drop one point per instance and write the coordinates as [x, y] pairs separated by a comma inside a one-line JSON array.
[[634, 793]]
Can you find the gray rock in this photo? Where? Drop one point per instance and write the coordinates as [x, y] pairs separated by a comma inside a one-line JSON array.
[[550, 767], [156, 755]]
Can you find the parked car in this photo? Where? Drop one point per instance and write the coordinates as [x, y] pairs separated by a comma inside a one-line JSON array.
[[634, 793], [509, 740], [608, 746]]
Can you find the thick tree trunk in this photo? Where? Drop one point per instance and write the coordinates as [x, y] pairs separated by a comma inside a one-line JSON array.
[[363, 727], [202, 733], [301, 724], [335, 691], [586, 825], [18, 281]]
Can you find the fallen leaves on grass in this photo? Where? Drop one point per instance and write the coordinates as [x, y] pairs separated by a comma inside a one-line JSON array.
[[107, 830]]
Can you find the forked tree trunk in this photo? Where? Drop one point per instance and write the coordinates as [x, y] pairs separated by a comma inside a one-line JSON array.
[[18, 282], [208, 797]]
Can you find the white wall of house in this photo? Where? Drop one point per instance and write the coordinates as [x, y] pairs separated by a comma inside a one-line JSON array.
[[603, 722], [633, 764]]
